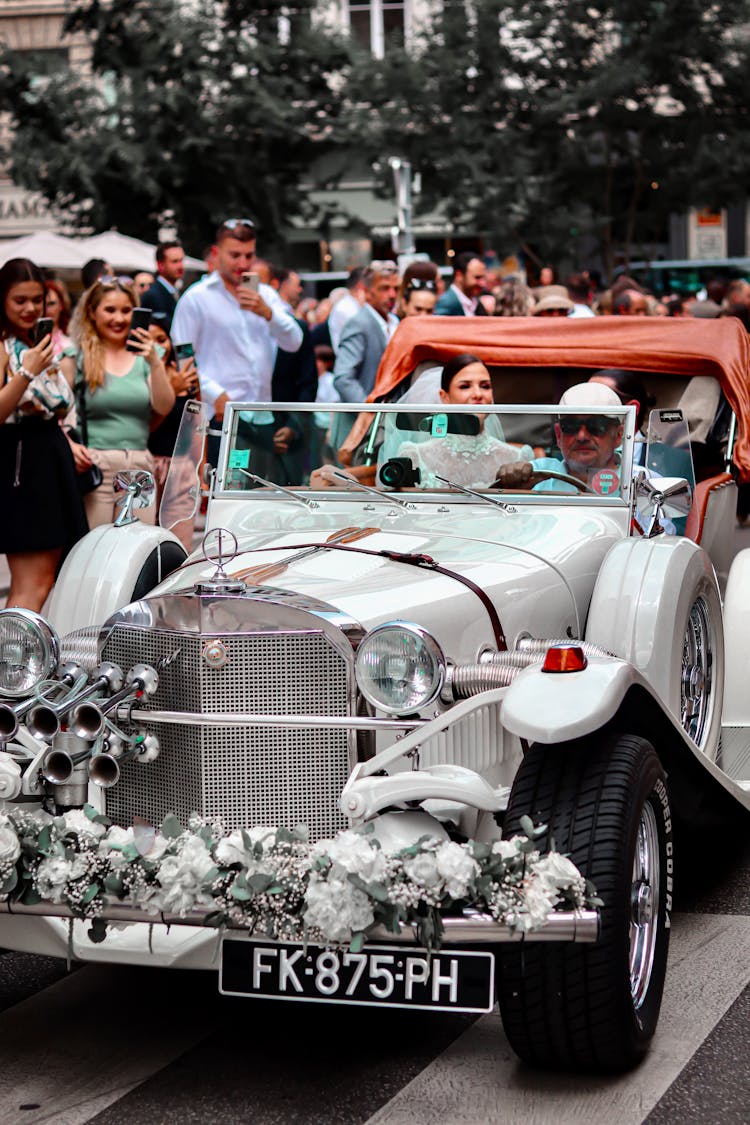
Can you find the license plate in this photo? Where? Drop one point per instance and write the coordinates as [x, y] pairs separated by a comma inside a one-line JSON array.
[[379, 975]]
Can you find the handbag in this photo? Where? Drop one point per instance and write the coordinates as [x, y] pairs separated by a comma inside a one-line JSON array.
[[88, 479]]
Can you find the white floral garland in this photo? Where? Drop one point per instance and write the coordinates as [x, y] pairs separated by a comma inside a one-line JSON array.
[[274, 881]]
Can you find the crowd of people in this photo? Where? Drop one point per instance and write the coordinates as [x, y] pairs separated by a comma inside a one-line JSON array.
[[88, 391]]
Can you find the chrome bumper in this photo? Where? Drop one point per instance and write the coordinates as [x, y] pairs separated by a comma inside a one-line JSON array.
[[468, 929]]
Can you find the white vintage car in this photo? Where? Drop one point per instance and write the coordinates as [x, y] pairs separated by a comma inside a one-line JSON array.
[[410, 649]]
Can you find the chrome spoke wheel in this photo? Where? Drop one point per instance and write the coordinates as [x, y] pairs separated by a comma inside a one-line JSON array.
[[697, 673], [644, 904]]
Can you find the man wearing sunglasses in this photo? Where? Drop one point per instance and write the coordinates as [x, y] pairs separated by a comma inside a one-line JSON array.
[[235, 327], [589, 443]]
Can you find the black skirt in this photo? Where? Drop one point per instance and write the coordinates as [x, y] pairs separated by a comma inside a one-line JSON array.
[[40, 503]]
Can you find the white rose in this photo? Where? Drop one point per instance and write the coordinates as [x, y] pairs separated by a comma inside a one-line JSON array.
[[337, 909], [457, 868], [357, 856], [10, 849], [538, 902], [160, 845], [117, 837], [231, 849], [557, 871], [77, 821], [51, 877], [422, 869], [181, 876], [506, 849]]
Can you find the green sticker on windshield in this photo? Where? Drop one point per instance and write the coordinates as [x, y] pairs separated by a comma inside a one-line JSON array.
[[239, 458], [439, 425]]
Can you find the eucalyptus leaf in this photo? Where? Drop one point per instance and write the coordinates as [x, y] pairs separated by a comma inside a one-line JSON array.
[[10, 883], [171, 827], [90, 893], [357, 942]]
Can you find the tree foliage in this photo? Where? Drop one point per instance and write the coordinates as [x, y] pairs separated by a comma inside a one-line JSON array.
[[567, 119], [209, 109], [564, 124]]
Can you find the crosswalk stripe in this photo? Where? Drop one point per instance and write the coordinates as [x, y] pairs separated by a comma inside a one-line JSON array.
[[75, 1048], [479, 1079]]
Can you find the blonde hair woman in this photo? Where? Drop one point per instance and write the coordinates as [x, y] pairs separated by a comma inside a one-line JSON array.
[[117, 390]]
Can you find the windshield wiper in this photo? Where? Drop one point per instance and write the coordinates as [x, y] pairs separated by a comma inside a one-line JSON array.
[[388, 497], [478, 495], [280, 488]]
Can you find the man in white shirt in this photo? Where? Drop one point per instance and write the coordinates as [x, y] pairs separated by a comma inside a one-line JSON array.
[[235, 329]]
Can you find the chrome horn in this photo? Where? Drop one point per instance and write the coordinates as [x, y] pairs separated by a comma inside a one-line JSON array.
[[67, 753], [87, 720], [43, 720], [71, 676], [104, 768]]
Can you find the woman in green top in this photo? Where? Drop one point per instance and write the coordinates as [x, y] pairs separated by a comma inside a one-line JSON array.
[[119, 390]]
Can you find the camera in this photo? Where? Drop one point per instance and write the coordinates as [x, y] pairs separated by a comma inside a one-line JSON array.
[[398, 472]]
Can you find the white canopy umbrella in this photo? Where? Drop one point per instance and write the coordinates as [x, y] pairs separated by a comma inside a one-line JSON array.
[[45, 249], [125, 253]]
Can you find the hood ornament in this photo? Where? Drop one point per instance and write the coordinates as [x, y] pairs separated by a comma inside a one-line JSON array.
[[220, 546]]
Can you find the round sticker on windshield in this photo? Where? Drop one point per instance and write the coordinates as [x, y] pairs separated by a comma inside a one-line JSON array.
[[605, 482]]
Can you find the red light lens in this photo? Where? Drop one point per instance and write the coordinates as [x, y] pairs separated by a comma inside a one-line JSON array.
[[564, 658]]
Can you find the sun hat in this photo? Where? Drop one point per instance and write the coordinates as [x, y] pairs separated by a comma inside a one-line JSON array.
[[553, 301]]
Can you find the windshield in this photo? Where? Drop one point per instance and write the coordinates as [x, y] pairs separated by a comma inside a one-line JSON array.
[[425, 450]]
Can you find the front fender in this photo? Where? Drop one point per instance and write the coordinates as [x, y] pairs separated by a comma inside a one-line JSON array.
[[558, 706], [109, 568]]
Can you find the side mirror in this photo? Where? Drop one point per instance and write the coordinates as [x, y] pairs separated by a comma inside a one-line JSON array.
[[139, 489], [670, 498]]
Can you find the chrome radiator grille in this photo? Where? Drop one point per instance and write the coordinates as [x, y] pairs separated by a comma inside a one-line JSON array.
[[247, 775]]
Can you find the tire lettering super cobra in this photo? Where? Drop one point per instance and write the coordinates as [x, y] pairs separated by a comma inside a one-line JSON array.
[[660, 790]]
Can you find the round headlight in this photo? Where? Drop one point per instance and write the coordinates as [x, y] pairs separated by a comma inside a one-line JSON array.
[[29, 651], [400, 668]]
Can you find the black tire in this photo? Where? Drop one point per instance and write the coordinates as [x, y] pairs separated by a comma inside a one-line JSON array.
[[162, 561], [573, 1006]]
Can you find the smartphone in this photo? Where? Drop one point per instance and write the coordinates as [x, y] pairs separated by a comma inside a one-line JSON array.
[[141, 318], [42, 328], [183, 352], [251, 281]]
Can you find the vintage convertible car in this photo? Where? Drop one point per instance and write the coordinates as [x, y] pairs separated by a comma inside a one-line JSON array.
[[466, 674]]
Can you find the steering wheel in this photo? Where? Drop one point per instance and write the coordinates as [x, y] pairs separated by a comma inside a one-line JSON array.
[[538, 475]]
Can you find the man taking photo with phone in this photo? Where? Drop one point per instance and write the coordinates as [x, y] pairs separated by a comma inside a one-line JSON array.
[[235, 327]]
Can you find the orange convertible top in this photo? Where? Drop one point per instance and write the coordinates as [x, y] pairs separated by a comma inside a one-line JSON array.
[[682, 347]]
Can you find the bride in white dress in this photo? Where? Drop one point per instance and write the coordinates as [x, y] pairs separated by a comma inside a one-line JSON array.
[[469, 460]]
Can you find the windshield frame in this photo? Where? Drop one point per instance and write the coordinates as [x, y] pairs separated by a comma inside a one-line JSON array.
[[623, 499]]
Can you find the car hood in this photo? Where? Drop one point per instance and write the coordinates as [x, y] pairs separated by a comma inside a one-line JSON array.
[[538, 566]]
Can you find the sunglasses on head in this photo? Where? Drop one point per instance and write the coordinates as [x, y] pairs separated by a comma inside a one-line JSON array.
[[421, 283], [384, 267], [596, 424], [230, 224]]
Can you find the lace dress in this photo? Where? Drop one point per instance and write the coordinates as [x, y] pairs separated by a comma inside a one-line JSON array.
[[470, 461]]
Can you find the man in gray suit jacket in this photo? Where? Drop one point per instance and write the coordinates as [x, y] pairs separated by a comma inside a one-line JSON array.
[[363, 342]]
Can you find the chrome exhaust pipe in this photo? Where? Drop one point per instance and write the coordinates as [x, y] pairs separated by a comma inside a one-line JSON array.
[[70, 674], [43, 721], [87, 719], [104, 770]]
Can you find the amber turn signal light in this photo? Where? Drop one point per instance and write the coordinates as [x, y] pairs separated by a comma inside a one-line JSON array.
[[564, 658]]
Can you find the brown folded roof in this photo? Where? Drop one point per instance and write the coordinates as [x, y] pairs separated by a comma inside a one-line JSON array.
[[679, 346]]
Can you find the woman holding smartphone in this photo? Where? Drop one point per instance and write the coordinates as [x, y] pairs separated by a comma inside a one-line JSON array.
[[120, 379], [41, 506]]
